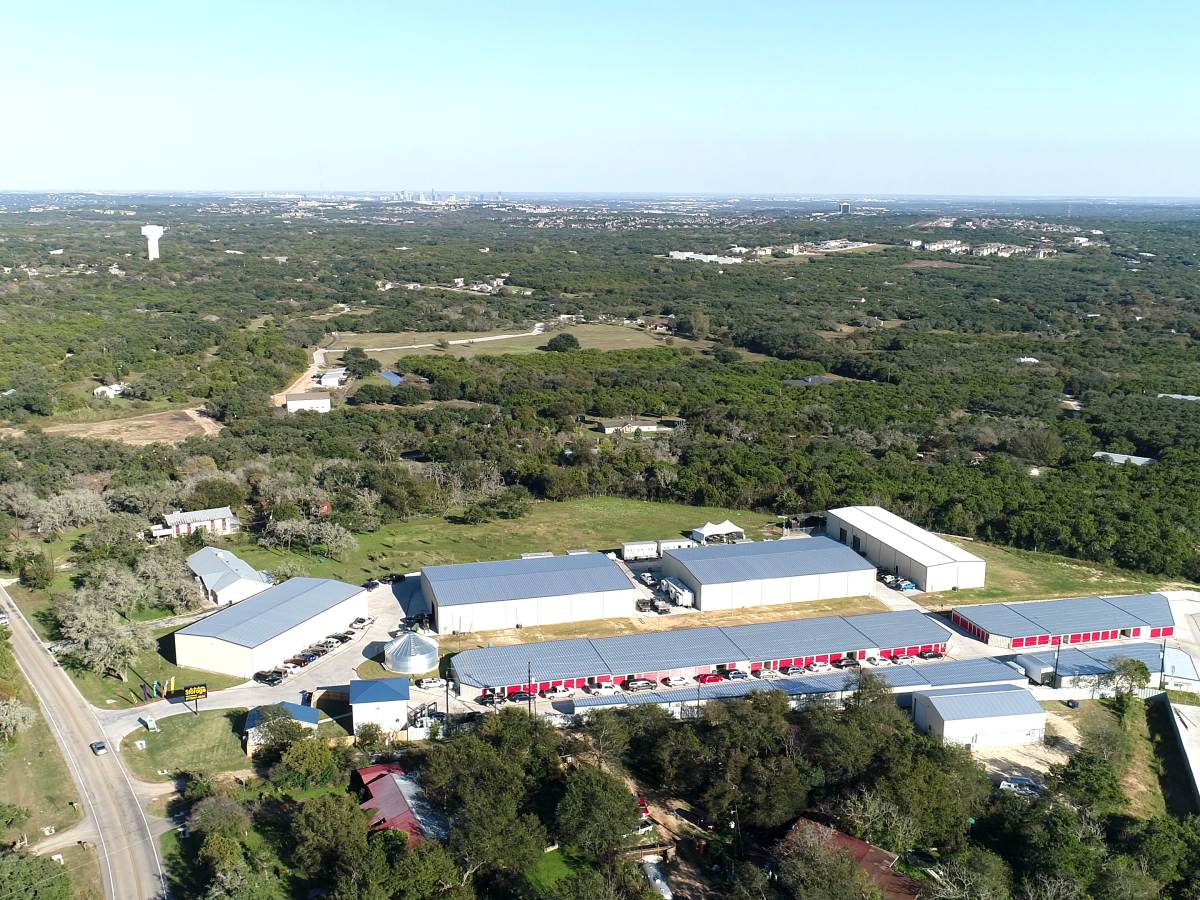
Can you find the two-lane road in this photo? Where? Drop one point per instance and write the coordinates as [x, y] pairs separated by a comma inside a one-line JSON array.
[[128, 850]]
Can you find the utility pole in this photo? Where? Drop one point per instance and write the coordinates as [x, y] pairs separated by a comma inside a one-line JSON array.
[[447, 707], [1162, 667], [529, 685]]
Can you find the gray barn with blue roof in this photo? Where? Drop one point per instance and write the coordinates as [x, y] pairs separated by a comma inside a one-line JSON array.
[[523, 593], [731, 576], [262, 631]]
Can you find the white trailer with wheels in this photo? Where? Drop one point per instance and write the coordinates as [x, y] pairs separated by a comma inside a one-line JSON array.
[[636, 550]]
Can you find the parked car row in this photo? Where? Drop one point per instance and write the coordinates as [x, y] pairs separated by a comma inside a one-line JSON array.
[[896, 583], [309, 655]]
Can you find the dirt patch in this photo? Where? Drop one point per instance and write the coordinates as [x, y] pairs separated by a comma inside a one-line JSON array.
[[649, 623], [170, 427]]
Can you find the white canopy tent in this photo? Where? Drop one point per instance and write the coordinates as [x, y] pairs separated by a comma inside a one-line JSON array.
[[722, 532]]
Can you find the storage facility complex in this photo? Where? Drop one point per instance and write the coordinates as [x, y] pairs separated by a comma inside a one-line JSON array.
[[264, 630], [730, 576], [904, 681], [521, 593], [688, 652], [1080, 620], [997, 715], [1169, 667], [902, 548]]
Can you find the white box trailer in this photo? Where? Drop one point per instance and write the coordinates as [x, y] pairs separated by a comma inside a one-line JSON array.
[[636, 550], [679, 594], [675, 544]]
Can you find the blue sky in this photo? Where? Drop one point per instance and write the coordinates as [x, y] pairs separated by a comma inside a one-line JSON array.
[[1045, 98]]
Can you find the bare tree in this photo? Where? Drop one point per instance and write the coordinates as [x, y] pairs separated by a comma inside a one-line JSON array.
[[15, 717]]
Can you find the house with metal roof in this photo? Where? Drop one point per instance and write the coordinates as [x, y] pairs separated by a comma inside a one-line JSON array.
[[262, 631], [180, 523], [226, 577], [898, 546], [308, 717], [1001, 715], [689, 652], [380, 701], [521, 593], [731, 576], [1078, 620]]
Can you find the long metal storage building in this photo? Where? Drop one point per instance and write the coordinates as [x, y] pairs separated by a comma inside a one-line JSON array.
[[515, 593], [902, 548], [1080, 620], [262, 631], [730, 576], [689, 652]]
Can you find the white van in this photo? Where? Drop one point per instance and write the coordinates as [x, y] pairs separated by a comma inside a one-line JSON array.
[[605, 689]]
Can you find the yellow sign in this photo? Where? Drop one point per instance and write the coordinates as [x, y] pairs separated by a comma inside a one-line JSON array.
[[195, 692]]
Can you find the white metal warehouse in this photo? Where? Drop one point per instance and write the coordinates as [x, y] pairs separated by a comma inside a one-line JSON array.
[[524, 593], [264, 630], [997, 715], [729, 576], [898, 546]]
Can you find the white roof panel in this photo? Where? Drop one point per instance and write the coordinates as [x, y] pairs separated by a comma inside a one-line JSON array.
[[915, 542]]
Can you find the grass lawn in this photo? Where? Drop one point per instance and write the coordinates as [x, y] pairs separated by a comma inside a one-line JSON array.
[[591, 337], [552, 868], [84, 866], [209, 742], [33, 773], [1029, 575], [597, 523]]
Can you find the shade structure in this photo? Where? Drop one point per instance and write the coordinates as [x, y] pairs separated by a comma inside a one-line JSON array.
[[410, 654]]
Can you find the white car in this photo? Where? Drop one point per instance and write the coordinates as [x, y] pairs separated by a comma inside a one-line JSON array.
[[431, 684], [604, 690], [820, 667], [557, 693], [766, 674], [675, 681], [639, 684], [647, 579], [288, 666]]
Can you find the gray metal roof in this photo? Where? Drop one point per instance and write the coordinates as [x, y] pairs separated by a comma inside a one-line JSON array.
[[662, 650], [1073, 661], [218, 569], [984, 702], [276, 610], [198, 515], [1071, 616], [551, 661], [800, 637], [900, 629], [969, 671], [519, 579], [723, 563]]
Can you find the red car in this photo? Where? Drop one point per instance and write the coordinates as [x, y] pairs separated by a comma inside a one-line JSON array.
[[710, 678], [643, 806]]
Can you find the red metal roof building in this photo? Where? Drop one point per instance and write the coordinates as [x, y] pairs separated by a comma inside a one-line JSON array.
[[875, 862], [386, 801]]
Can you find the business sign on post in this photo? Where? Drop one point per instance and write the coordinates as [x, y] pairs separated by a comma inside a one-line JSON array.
[[195, 692]]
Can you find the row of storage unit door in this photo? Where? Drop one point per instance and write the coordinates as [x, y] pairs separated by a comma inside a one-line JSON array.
[[583, 682], [1054, 640]]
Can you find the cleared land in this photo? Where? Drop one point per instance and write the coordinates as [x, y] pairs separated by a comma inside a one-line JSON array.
[[591, 337], [169, 427], [600, 523], [1029, 575], [209, 742]]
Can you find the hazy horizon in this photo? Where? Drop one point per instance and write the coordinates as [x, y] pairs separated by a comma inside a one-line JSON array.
[[1059, 101]]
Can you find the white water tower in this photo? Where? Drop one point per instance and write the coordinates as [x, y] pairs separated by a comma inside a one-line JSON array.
[[152, 233]]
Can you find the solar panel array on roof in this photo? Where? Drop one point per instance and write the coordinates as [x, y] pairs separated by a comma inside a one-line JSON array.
[[724, 563], [520, 579], [987, 702], [661, 651], [1071, 616], [275, 611]]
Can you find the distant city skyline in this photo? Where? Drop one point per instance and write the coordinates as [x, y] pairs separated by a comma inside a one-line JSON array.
[[688, 98]]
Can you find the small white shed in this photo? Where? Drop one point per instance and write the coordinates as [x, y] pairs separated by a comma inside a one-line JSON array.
[[999, 715]]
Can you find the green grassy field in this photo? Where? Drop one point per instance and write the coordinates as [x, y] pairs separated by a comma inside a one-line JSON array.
[[600, 523], [550, 869], [1027, 575], [209, 742], [591, 337]]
